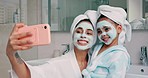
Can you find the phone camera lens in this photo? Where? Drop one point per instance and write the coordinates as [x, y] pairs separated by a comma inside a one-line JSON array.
[[45, 27]]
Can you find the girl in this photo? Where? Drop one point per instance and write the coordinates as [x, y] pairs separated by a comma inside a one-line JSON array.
[[110, 58]]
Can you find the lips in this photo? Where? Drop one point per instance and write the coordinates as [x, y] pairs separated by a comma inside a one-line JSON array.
[[82, 42], [105, 39]]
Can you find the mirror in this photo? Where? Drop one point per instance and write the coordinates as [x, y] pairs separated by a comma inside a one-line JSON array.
[[137, 13], [145, 8], [62, 12], [145, 12]]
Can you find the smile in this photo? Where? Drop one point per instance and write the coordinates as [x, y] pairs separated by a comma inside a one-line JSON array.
[[82, 42], [105, 39]]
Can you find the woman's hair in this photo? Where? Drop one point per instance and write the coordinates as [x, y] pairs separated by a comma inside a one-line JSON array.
[[102, 16]]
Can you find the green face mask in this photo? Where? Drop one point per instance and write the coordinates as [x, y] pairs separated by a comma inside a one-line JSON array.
[[82, 40], [111, 34]]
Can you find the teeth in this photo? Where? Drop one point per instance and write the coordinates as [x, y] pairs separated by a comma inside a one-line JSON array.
[[105, 39], [83, 42]]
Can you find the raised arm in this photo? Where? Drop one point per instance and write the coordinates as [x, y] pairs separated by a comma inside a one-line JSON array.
[[14, 44]]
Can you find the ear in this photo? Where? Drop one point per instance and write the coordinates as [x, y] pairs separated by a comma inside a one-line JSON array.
[[119, 28]]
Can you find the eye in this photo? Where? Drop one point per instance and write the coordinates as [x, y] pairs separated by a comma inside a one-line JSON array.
[[99, 31], [89, 32], [106, 29], [79, 30]]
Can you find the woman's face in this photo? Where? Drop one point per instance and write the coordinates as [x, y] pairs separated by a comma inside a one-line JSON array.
[[106, 30], [84, 35]]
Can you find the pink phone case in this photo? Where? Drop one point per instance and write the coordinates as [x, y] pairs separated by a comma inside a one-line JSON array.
[[41, 33]]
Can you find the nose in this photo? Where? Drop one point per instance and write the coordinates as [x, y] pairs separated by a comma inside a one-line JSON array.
[[83, 35], [103, 34]]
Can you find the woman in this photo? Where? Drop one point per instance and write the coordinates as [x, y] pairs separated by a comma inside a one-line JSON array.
[[69, 65], [110, 58]]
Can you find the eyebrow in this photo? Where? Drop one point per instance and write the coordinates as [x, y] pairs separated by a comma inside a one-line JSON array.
[[82, 28], [79, 28], [106, 26], [90, 29]]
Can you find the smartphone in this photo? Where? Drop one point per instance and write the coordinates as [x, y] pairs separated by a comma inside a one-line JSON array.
[[40, 33]]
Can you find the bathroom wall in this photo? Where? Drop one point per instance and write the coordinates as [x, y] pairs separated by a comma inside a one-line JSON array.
[[7, 9], [57, 39], [4, 63], [139, 38]]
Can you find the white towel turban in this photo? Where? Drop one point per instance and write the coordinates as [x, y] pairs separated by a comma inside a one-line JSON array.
[[89, 14], [119, 16]]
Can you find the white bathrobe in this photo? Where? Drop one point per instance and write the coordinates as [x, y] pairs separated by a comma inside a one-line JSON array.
[[111, 63], [65, 66]]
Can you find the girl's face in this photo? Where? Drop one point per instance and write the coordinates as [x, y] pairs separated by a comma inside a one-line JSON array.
[[83, 35], [106, 31]]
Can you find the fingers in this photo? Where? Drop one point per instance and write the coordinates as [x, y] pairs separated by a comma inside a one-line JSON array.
[[18, 41], [20, 35], [21, 47], [20, 44], [17, 26]]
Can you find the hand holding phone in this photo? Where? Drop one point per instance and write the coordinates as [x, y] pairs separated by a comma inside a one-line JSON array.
[[40, 34]]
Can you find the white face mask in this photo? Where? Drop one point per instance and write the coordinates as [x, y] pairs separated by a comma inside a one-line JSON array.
[[82, 39], [112, 33]]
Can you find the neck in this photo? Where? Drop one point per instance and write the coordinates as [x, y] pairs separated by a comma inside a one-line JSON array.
[[81, 56], [114, 43]]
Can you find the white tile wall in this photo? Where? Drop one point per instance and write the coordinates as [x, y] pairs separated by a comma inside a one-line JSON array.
[[7, 9], [4, 63], [57, 39], [139, 38]]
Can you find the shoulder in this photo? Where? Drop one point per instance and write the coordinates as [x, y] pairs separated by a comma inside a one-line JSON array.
[[119, 52]]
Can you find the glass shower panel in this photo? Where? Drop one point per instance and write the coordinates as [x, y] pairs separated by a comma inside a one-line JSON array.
[[63, 12], [68, 10], [96, 3]]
